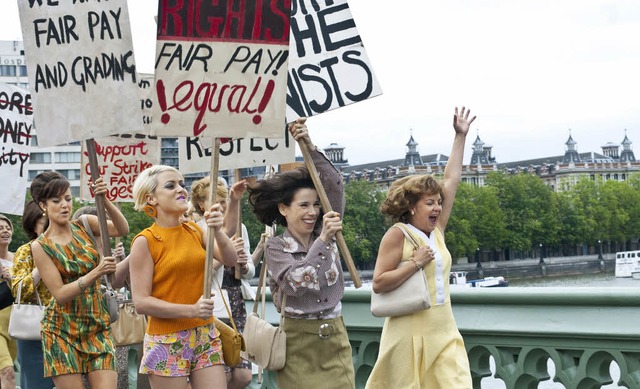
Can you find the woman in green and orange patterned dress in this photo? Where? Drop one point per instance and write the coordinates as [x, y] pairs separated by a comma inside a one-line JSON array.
[[76, 337]]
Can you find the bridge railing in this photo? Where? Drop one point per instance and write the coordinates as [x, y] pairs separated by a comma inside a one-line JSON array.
[[582, 330]]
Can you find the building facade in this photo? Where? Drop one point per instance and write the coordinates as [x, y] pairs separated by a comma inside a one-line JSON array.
[[560, 172]]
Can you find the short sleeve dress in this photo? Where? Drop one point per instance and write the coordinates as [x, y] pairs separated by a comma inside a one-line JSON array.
[[424, 350], [76, 336]]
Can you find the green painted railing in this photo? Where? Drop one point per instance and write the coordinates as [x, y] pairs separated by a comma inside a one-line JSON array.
[[582, 330]]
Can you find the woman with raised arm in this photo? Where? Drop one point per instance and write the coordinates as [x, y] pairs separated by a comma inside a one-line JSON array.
[[182, 347], [76, 337], [423, 349], [238, 376], [306, 278]]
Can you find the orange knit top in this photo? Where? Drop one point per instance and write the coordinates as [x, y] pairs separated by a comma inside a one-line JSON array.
[[178, 273]]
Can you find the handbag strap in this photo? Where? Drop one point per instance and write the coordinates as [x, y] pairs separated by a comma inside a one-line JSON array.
[[19, 296], [233, 323], [408, 234], [261, 294]]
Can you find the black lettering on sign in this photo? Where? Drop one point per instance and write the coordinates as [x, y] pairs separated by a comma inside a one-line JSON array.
[[184, 60], [324, 80], [107, 24], [57, 31], [12, 158]]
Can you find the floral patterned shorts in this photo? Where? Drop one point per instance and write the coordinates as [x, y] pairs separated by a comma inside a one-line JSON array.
[[178, 354]]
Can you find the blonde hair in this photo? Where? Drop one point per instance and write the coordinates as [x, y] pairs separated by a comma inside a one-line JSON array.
[[6, 219], [200, 192], [405, 193], [146, 184]]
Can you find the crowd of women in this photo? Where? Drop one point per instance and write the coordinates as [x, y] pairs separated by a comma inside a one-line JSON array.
[[63, 264]]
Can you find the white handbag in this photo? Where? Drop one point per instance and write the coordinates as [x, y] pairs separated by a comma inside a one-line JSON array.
[[266, 343], [24, 322], [411, 296]]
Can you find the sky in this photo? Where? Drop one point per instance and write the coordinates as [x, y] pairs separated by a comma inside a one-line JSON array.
[[533, 71]]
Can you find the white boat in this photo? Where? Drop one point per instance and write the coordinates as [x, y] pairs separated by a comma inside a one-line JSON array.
[[635, 275], [627, 263], [459, 278]]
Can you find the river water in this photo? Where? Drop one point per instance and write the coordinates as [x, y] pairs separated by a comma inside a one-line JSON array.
[[589, 280]]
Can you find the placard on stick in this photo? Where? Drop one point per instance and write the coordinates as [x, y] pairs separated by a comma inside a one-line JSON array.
[[221, 68], [81, 68], [16, 125], [328, 65]]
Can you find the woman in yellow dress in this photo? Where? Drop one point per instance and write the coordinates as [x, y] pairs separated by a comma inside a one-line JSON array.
[[423, 349]]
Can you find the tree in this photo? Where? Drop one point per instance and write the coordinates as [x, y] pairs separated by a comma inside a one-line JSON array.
[[363, 223]]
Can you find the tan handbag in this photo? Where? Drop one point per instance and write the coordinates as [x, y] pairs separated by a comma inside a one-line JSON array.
[[130, 327], [266, 344], [232, 341], [411, 296]]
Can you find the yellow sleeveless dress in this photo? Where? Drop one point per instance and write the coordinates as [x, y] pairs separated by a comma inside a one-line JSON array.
[[424, 349]]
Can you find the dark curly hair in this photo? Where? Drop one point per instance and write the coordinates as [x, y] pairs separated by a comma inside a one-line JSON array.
[[405, 193], [265, 195], [30, 218], [47, 185]]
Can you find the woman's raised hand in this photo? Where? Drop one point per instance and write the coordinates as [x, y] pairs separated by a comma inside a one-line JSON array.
[[331, 223], [214, 217], [300, 132], [461, 122]]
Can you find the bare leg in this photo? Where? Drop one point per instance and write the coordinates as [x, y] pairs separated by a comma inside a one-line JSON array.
[[68, 381], [159, 382], [102, 379], [209, 377], [240, 378]]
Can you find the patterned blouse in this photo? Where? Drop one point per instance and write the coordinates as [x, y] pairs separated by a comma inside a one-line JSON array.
[[312, 279]]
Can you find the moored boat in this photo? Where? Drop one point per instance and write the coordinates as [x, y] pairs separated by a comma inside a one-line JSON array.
[[627, 263], [459, 278]]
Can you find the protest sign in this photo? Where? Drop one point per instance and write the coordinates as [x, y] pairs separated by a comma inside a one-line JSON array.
[[120, 159], [81, 68], [220, 68], [16, 125], [145, 83], [328, 65], [195, 153]]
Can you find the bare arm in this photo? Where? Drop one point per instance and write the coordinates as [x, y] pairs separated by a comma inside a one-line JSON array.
[[118, 225], [224, 250], [453, 170], [232, 213], [388, 275], [63, 293]]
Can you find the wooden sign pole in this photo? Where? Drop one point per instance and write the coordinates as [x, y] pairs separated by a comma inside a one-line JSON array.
[[326, 205], [237, 178], [208, 265], [102, 216]]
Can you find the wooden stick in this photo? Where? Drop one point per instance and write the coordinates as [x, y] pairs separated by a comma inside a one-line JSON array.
[[326, 205], [238, 274], [102, 215], [208, 265]]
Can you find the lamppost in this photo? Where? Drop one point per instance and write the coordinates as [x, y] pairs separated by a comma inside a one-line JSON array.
[[543, 266], [599, 249], [479, 264]]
